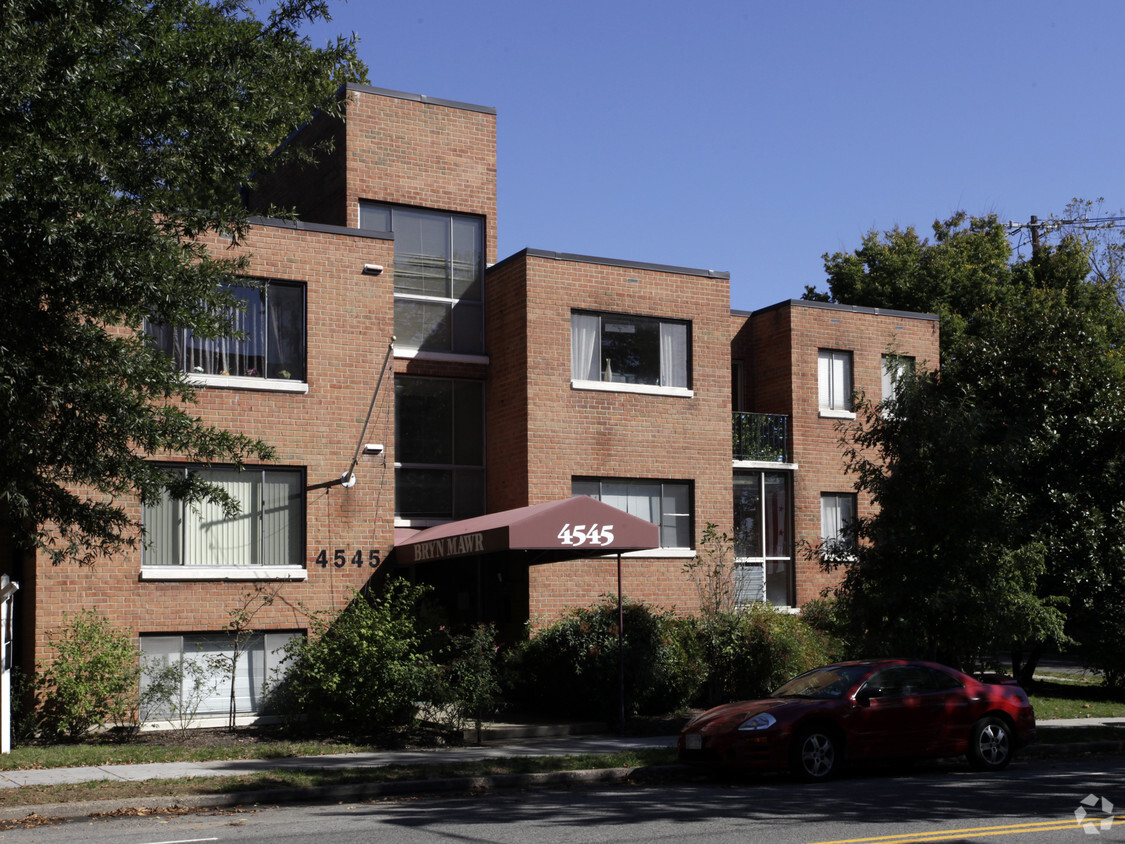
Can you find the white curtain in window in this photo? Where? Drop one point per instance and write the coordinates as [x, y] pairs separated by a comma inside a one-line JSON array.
[[841, 381], [673, 354], [241, 355], [894, 368], [824, 378], [836, 511], [835, 379], [213, 539], [585, 341], [637, 499]]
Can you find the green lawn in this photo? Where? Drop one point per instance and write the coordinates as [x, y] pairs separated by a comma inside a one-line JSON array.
[[1078, 698], [108, 753]]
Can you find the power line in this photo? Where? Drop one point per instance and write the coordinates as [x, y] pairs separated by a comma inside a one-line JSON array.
[[1035, 224]]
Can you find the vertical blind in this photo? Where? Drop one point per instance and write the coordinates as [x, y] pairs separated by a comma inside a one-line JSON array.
[[265, 531]]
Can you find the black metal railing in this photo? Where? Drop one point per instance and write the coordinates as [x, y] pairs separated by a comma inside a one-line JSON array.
[[760, 436]]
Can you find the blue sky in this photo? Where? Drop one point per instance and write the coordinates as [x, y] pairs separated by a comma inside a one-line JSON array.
[[754, 137]]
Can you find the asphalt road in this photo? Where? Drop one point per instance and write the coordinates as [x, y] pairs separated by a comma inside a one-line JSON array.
[[1033, 801]]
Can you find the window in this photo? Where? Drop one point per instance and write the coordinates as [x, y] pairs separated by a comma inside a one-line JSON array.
[[835, 380], [629, 350], [439, 276], [762, 538], [262, 658], [268, 530], [736, 386], [894, 368], [271, 341], [908, 681], [439, 448], [837, 514], [667, 504]]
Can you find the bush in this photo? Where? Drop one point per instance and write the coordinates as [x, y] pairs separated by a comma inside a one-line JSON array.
[[466, 687], [175, 690], [570, 669], [362, 668], [824, 615], [93, 679], [751, 652]]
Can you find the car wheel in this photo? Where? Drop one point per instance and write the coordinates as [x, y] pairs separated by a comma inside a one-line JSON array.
[[990, 745], [814, 754]]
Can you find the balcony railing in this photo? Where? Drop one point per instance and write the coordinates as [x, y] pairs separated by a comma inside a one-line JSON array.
[[760, 436]]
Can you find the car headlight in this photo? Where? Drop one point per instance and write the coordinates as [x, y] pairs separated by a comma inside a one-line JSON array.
[[762, 721]]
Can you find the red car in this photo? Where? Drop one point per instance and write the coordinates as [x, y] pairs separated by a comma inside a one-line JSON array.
[[871, 709]]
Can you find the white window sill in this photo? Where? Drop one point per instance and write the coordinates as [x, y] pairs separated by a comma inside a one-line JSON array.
[[452, 357], [645, 389], [768, 465], [248, 382], [832, 413], [224, 573], [418, 524]]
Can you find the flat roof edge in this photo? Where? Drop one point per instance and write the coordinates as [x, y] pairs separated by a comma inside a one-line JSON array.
[[418, 98], [836, 306], [614, 262], [321, 228]]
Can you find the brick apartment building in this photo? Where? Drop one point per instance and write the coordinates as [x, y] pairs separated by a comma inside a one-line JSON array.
[[413, 383]]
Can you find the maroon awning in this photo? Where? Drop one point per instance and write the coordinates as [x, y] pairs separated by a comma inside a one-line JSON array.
[[559, 530]]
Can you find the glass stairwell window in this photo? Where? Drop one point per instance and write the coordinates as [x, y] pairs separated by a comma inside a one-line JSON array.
[[439, 276]]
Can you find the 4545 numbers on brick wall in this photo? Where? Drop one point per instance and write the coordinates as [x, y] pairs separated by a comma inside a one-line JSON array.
[[340, 558]]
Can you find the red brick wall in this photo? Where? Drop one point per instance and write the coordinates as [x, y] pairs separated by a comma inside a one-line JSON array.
[[399, 148], [421, 152], [507, 392], [349, 322], [573, 432], [868, 334]]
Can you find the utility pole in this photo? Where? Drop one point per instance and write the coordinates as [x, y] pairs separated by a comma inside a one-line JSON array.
[[1085, 223]]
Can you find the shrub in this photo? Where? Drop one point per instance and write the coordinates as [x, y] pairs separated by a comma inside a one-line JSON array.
[[176, 690], [363, 667], [751, 652], [571, 667], [93, 679], [1098, 636], [26, 714], [466, 687], [824, 615]]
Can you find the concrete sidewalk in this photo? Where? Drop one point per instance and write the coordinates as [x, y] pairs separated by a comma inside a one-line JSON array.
[[561, 746]]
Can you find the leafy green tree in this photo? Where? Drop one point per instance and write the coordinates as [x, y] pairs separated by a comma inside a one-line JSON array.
[[128, 128], [998, 478]]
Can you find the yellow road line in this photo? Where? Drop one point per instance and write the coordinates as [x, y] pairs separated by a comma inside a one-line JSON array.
[[1012, 829]]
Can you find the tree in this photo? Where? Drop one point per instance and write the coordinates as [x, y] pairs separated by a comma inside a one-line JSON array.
[[997, 479], [128, 129]]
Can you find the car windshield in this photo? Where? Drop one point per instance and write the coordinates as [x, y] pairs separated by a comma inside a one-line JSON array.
[[828, 683]]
